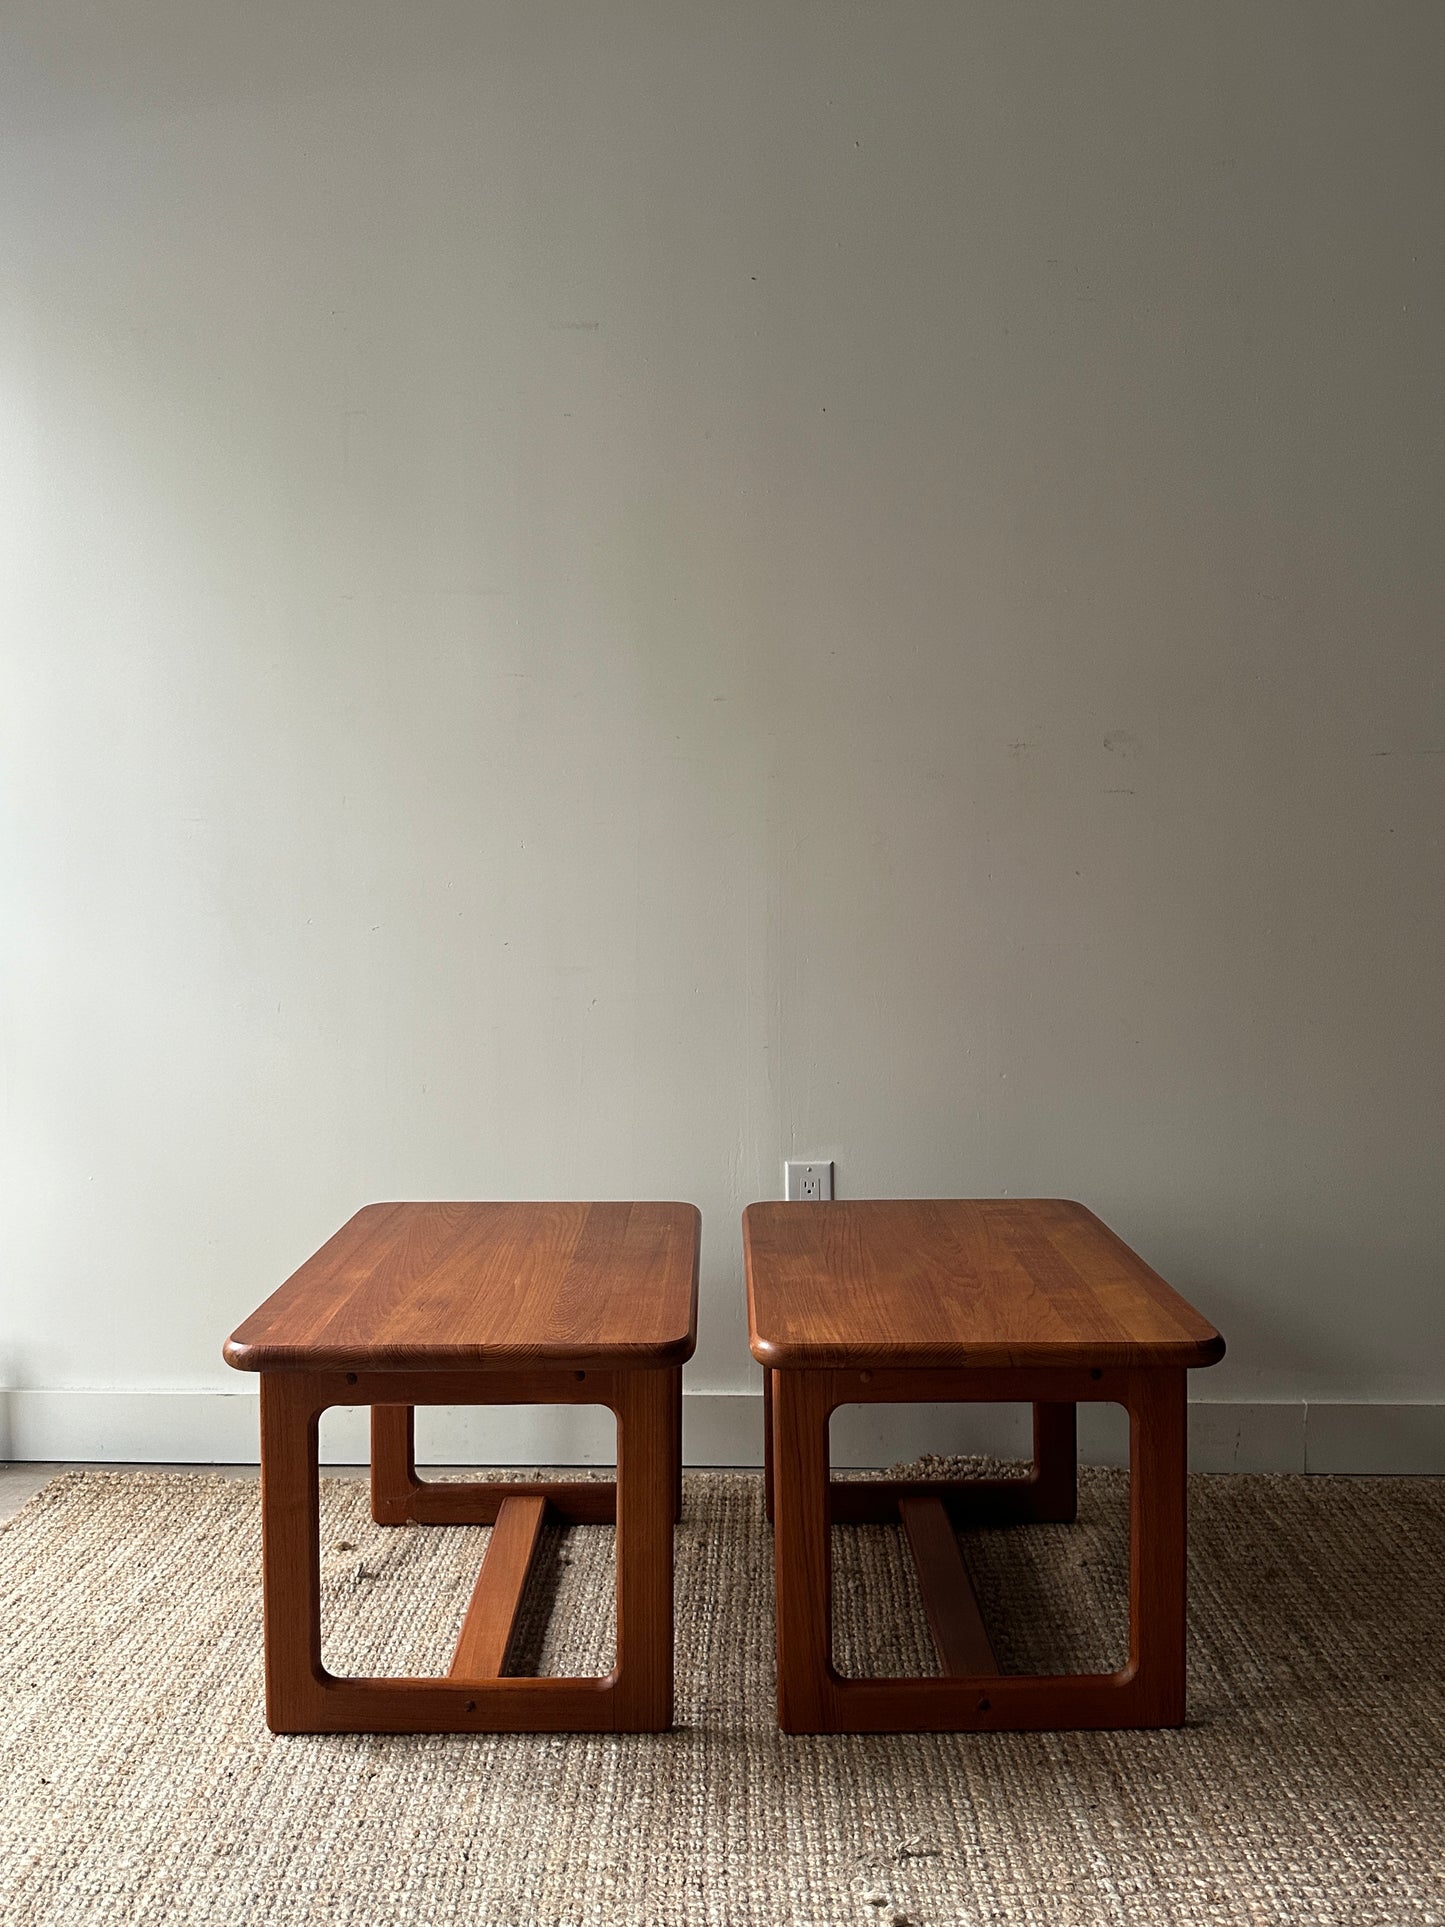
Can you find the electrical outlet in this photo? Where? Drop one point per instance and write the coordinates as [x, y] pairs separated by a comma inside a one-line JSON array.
[[812, 1181]]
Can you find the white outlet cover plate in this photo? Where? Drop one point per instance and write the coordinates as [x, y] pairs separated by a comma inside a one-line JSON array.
[[808, 1179]]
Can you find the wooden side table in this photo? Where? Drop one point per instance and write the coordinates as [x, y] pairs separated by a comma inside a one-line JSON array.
[[479, 1304], [971, 1300]]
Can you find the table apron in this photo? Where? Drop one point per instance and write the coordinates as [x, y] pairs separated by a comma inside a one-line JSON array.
[[971, 1384], [321, 1390]]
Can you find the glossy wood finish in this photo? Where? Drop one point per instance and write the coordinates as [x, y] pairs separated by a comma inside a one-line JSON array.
[[427, 1287], [394, 1319], [958, 1281], [497, 1598], [1091, 1326], [959, 1634]]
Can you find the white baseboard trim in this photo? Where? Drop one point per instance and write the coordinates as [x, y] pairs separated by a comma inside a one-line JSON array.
[[719, 1428]]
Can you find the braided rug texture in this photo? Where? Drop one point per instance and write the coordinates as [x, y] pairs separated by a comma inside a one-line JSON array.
[[138, 1782]]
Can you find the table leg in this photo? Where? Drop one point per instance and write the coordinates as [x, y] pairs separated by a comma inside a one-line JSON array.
[[1056, 1463], [290, 1552], [647, 1449], [394, 1483], [1158, 1462], [802, 1552], [768, 1501], [677, 1442]]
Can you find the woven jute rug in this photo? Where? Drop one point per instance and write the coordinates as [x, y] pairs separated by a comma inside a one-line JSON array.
[[138, 1781]]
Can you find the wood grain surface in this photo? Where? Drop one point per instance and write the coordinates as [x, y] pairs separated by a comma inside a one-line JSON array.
[[421, 1287], [497, 1597], [958, 1281]]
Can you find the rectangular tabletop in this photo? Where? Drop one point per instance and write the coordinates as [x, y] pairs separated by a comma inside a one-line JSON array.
[[958, 1281], [436, 1287]]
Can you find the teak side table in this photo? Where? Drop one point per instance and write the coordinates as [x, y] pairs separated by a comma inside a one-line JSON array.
[[971, 1300], [479, 1304]]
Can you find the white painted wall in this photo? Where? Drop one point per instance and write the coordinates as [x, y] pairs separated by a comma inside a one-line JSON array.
[[593, 594]]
